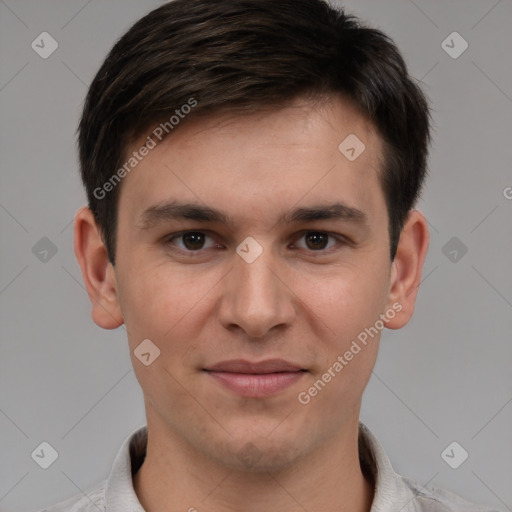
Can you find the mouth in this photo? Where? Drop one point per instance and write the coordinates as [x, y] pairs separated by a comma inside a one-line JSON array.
[[256, 379]]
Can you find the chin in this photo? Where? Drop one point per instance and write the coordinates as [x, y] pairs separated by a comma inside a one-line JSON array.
[[259, 455]]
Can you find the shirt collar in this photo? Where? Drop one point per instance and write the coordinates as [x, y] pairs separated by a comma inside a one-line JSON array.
[[391, 493], [119, 492]]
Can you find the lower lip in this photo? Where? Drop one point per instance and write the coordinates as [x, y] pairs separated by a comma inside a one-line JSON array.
[[257, 385]]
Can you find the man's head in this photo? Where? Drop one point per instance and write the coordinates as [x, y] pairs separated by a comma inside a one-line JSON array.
[[260, 228], [195, 57]]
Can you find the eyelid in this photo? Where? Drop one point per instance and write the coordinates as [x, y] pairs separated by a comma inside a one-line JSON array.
[[167, 240], [341, 240]]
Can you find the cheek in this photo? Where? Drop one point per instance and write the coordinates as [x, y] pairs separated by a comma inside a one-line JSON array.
[[167, 307], [343, 302], [159, 303], [346, 344]]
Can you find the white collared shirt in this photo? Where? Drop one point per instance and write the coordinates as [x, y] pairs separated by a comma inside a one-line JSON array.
[[393, 492]]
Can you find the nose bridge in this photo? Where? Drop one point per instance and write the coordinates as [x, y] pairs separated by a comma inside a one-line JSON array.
[[256, 299]]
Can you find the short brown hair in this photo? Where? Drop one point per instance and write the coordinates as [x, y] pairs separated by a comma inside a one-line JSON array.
[[250, 54]]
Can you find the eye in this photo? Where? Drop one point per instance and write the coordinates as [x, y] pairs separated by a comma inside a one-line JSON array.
[[317, 240], [195, 241], [192, 241]]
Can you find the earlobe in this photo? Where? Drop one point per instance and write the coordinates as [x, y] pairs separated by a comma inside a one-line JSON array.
[[97, 272], [406, 269]]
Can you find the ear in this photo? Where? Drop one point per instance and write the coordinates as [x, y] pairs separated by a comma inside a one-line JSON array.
[[97, 271], [406, 269]]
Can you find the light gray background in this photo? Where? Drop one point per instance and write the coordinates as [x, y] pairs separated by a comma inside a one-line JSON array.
[[444, 377]]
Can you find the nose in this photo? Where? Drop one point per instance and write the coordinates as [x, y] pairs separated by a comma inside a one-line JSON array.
[[257, 296]]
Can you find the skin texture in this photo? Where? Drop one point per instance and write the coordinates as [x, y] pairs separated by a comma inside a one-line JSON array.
[[295, 302]]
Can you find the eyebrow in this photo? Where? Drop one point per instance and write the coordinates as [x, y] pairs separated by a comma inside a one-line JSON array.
[[176, 210]]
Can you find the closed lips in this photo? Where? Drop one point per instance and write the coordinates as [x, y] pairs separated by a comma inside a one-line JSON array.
[[256, 379], [255, 368]]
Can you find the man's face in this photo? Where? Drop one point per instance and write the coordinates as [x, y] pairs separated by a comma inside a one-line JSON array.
[[316, 285]]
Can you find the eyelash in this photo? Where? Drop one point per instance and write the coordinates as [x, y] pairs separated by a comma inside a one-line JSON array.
[[339, 238]]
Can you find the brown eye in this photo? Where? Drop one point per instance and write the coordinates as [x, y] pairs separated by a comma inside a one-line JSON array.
[[193, 241], [190, 241], [321, 242], [316, 240]]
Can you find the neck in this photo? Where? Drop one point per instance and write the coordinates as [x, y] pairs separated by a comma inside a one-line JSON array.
[[174, 477]]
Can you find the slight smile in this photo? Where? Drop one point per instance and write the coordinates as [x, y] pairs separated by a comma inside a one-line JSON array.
[[256, 379]]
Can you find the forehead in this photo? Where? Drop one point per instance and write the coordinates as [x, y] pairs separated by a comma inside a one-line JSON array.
[[270, 156], [322, 123]]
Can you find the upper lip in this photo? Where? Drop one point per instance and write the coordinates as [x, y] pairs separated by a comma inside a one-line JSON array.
[[243, 366]]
